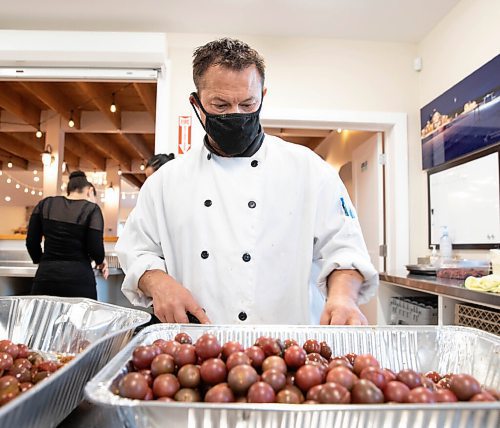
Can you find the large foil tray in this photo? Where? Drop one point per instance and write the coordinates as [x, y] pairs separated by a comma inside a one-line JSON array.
[[93, 331], [422, 348]]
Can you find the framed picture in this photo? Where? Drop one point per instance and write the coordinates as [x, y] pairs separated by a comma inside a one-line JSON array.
[[465, 119]]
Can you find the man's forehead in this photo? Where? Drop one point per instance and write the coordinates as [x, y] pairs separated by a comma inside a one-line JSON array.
[[220, 78]]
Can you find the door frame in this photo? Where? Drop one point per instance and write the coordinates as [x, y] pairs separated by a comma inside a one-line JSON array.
[[395, 129]]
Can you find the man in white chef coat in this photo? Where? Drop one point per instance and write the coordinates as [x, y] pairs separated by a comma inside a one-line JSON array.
[[230, 232]]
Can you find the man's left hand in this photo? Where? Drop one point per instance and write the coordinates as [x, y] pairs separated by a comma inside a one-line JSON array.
[[341, 307], [342, 312]]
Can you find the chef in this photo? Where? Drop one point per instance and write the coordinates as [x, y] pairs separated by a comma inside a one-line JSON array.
[[232, 231]]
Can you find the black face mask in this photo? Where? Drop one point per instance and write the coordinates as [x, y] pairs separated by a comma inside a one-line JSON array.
[[234, 134]]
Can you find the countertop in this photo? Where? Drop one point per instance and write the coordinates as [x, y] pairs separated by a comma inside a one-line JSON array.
[[446, 287]]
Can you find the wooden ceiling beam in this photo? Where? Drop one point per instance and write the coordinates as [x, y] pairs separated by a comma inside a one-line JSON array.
[[71, 158], [139, 145], [132, 180], [6, 156], [18, 147], [55, 99], [147, 94], [106, 145], [75, 144], [102, 99], [19, 106]]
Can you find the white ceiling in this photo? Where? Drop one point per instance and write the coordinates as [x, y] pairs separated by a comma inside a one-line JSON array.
[[377, 20]]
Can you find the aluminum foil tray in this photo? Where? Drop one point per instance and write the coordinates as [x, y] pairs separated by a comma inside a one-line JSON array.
[[422, 348], [93, 331]]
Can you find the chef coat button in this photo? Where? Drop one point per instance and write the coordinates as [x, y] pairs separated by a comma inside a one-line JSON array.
[[252, 204], [208, 203], [209, 156], [254, 163], [246, 257], [204, 254], [242, 316]]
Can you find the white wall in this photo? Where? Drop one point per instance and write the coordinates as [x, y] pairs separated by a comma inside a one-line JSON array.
[[11, 218], [464, 40]]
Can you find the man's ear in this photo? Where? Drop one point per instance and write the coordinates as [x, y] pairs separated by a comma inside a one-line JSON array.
[[264, 92]]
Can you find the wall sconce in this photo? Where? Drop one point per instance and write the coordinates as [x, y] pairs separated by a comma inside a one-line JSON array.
[[109, 193], [47, 157]]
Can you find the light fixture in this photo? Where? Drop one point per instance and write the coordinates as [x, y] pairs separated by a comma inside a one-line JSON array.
[[9, 164], [119, 171], [9, 180], [36, 178], [71, 122], [38, 134], [26, 190], [112, 107], [1, 172], [110, 193], [18, 186], [33, 192], [47, 157], [124, 196], [64, 166], [7, 199], [142, 167], [35, 172], [133, 196], [40, 193], [339, 130]]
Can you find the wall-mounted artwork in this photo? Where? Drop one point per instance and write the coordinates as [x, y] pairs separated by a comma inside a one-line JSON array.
[[464, 119]]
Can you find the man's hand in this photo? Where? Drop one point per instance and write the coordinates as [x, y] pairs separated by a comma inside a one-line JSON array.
[[341, 307], [104, 268], [171, 300]]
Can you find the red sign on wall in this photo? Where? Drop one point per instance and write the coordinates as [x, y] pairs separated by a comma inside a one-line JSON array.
[[184, 134]]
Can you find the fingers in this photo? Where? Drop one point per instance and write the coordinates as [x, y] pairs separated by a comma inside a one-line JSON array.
[[199, 313]]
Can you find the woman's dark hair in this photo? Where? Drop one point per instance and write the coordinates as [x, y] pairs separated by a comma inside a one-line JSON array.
[[77, 182], [159, 160], [94, 191]]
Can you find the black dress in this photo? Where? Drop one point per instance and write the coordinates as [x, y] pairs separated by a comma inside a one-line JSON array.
[[73, 232]]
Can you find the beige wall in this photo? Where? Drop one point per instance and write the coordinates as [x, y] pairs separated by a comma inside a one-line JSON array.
[[464, 40], [11, 218]]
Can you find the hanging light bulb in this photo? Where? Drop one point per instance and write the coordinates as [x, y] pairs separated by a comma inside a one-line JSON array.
[[64, 166], [38, 134], [142, 167], [9, 180], [110, 192], [9, 164], [71, 122], [112, 107], [1, 172], [26, 190], [18, 186], [124, 196], [339, 130], [40, 193], [119, 171], [47, 157], [33, 192], [7, 199], [35, 172], [36, 178]]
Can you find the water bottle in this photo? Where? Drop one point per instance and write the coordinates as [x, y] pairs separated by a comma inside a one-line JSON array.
[[445, 246]]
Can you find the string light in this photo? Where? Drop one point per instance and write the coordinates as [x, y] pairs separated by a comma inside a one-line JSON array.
[[142, 167], [9, 164], [40, 193], [35, 172], [119, 171], [36, 178], [9, 180], [124, 196], [38, 134], [18, 186], [339, 130], [26, 190], [1, 172], [112, 107], [71, 122], [7, 198], [47, 157], [33, 192]]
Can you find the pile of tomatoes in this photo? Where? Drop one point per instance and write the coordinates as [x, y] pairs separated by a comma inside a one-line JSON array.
[[20, 369], [274, 372]]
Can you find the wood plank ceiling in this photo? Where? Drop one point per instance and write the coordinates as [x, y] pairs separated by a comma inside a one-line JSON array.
[[125, 136]]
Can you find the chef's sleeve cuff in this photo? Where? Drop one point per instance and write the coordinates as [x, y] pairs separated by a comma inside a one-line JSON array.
[[130, 286], [350, 261]]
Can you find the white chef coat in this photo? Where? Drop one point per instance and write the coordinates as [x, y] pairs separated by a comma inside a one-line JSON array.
[[243, 233]]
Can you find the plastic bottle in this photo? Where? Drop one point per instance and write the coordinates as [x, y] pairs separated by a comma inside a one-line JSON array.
[[445, 246], [434, 259]]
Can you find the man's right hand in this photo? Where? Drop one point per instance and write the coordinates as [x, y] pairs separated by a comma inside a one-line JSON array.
[[171, 300]]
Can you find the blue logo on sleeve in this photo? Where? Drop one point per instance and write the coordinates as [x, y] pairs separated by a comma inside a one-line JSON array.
[[347, 210]]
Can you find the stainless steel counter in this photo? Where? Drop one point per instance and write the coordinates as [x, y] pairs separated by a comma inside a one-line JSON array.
[[441, 286]]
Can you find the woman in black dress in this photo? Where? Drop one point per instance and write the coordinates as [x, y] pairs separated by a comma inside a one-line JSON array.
[[72, 227]]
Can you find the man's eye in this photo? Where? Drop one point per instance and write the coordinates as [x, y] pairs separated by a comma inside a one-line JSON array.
[[220, 105]]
